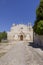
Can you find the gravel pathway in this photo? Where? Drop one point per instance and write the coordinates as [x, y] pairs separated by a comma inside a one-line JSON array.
[[21, 54]]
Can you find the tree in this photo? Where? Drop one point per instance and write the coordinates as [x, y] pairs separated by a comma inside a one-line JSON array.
[[3, 35], [39, 12], [41, 0], [0, 37], [38, 25], [39, 28]]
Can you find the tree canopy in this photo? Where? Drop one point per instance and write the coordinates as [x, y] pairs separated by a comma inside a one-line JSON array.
[[39, 12], [3, 35], [38, 25]]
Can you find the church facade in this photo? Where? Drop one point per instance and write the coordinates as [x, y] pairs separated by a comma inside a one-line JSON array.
[[20, 32]]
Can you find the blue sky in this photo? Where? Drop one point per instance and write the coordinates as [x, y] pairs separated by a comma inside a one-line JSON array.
[[18, 12]]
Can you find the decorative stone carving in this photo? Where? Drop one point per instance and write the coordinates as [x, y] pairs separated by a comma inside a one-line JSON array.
[[20, 32]]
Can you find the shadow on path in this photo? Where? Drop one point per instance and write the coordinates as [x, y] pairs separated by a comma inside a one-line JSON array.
[[35, 46]]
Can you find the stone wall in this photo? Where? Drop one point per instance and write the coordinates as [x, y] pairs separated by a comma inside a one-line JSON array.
[[38, 39], [41, 40], [16, 31]]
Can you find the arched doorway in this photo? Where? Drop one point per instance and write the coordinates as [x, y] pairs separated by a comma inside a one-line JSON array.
[[21, 37]]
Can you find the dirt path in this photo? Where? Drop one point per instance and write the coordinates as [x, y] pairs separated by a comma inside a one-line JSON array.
[[21, 54]]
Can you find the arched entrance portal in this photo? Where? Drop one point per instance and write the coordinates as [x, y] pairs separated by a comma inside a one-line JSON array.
[[21, 37]]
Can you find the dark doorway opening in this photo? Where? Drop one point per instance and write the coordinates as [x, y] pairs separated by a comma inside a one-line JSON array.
[[21, 37]]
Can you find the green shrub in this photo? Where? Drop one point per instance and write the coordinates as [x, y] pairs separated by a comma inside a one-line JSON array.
[[3, 35]]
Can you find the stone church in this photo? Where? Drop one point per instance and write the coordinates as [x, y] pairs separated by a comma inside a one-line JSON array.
[[20, 32]]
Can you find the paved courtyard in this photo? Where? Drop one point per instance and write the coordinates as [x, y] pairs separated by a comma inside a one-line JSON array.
[[22, 54]]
